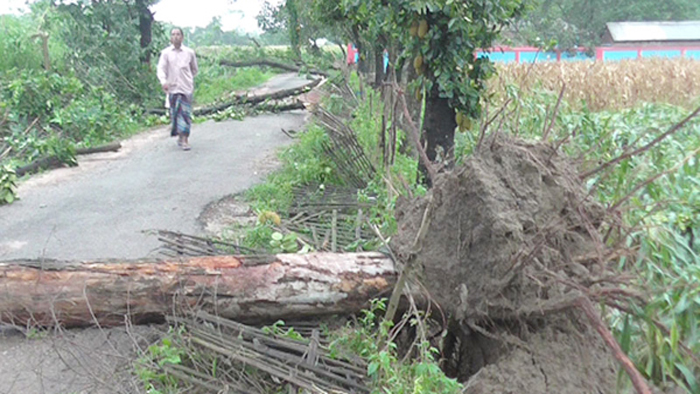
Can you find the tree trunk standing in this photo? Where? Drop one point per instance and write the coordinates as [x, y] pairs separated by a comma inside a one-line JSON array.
[[362, 66], [438, 131], [402, 72], [392, 66], [378, 65], [294, 28], [146, 29], [390, 76], [44, 48], [406, 72], [47, 293]]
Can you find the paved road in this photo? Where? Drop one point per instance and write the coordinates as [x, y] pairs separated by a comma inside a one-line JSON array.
[[101, 208]]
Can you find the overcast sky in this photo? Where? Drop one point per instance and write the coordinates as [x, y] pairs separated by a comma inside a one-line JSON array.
[[239, 14]]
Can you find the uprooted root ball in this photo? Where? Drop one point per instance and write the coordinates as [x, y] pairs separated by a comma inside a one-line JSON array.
[[511, 239]]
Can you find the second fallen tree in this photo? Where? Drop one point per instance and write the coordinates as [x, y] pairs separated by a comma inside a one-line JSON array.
[[35, 293], [245, 99]]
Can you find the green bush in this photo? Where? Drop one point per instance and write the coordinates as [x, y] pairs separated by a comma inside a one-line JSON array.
[[8, 185], [370, 340], [36, 93], [80, 113], [95, 118], [19, 51], [102, 47]]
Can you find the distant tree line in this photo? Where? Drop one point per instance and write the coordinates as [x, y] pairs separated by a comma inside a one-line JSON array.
[[570, 23]]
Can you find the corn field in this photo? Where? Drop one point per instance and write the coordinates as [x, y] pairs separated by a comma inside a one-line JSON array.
[[609, 85]]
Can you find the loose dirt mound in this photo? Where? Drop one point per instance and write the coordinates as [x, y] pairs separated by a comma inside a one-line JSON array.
[[507, 234]]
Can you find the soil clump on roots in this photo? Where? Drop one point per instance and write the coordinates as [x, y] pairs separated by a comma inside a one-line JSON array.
[[510, 243]]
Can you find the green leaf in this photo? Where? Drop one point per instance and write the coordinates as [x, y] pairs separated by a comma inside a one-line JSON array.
[[277, 236], [674, 338], [172, 359], [626, 335], [689, 377], [372, 368], [452, 22]]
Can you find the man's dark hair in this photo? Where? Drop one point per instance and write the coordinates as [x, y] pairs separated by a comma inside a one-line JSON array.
[[177, 28]]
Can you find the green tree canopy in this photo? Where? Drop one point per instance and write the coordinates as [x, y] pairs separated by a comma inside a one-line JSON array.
[[582, 23], [440, 37]]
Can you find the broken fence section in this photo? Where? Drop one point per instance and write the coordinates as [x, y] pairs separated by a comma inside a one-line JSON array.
[[249, 359]]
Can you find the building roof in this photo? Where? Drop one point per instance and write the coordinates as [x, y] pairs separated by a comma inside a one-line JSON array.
[[654, 31]]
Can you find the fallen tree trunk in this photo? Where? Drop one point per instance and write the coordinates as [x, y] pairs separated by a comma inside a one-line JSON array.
[[113, 147], [49, 162], [280, 107], [49, 293], [43, 163], [269, 63], [245, 99], [252, 100]]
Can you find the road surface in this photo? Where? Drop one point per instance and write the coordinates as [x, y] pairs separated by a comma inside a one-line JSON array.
[[104, 207]]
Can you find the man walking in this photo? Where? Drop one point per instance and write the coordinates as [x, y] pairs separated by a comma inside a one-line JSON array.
[[177, 68]]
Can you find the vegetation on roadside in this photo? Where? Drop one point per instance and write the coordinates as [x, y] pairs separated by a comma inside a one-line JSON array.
[[148, 367], [370, 339], [307, 163]]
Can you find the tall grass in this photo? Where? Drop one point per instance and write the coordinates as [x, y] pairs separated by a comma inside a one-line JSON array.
[[609, 85]]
